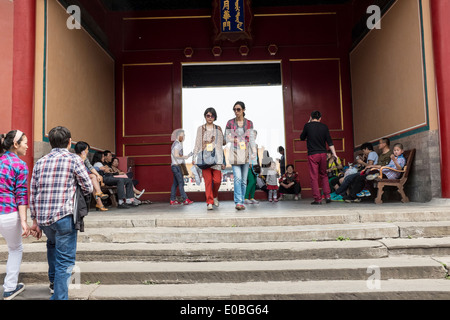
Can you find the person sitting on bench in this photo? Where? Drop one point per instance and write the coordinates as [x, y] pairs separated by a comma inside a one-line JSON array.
[[124, 185], [117, 171], [397, 162], [82, 150]]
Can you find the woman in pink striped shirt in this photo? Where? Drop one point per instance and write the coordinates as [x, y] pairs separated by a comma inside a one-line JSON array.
[[13, 206]]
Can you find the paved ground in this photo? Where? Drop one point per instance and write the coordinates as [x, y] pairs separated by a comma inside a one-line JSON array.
[[265, 208]]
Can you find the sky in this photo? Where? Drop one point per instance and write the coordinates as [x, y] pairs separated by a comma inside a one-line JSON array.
[[263, 106]]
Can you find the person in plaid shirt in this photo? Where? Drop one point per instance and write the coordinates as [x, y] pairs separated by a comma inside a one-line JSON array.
[[53, 184], [241, 149], [13, 206]]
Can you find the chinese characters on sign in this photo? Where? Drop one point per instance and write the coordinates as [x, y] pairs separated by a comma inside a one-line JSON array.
[[232, 15], [232, 21]]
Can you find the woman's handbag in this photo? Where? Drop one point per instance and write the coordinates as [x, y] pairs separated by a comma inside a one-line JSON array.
[[260, 182], [206, 159], [184, 169]]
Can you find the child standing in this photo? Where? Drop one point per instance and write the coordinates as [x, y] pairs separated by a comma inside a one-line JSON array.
[[177, 162], [271, 182]]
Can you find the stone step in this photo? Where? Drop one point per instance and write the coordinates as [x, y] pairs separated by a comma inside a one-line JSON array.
[[410, 289], [357, 231], [418, 246], [321, 232], [303, 217], [352, 231], [431, 229], [138, 272], [404, 215], [197, 252], [199, 221], [333, 290]]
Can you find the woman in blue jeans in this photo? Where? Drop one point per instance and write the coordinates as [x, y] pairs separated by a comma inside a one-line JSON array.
[[177, 160], [241, 149]]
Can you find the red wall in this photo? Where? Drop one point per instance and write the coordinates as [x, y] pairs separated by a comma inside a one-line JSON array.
[[313, 50], [441, 36], [6, 63]]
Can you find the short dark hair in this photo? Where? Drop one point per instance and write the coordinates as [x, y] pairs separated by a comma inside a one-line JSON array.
[[316, 115], [81, 146], [280, 149], [367, 145], [105, 153], [115, 158], [212, 111], [387, 141], [7, 141], [59, 137], [290, 165]]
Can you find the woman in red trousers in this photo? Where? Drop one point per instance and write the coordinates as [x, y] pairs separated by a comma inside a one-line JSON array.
[[209, 138]]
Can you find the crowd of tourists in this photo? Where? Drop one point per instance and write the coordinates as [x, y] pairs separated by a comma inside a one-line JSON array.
[[61, 181]]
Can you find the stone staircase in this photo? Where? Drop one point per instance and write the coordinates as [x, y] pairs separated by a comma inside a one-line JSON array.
[[278, 251]]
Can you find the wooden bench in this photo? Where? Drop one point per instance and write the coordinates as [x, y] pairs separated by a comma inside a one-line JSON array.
[[124, 164], [399, 183]]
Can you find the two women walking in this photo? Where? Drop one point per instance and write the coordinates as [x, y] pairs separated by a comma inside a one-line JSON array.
[[241, 149]]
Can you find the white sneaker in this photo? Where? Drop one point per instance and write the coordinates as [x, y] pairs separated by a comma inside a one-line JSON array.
[[372, 176], [246, 201], [296, 198], [254, 201], [216, 202], [209, 206], [140, 194]]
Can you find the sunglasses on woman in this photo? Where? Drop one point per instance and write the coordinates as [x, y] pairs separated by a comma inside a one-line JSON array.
[[237, 109]]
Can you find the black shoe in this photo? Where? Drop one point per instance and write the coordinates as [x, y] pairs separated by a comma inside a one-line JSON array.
[[51, 287], [327, 200], [316, 203], [123, 206]]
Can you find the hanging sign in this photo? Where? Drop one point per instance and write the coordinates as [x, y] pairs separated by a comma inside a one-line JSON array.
[[232, 19]]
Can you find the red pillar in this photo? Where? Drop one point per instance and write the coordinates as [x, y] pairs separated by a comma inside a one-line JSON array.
[[440, 12], [23, 72]]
